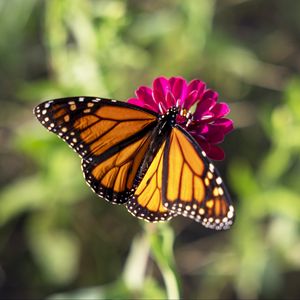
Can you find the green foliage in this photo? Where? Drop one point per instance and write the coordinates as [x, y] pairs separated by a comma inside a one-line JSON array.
[[161, 240], [58, 240]]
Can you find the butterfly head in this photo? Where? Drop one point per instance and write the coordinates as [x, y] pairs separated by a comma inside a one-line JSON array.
[[171, 115]]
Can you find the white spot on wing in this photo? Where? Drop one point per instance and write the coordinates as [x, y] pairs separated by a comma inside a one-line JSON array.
[[219, 180]]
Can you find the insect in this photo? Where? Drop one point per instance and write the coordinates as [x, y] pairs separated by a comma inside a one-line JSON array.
[[142, 159]]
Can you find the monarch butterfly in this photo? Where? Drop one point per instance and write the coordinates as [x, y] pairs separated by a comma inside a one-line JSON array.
[[137, 157]]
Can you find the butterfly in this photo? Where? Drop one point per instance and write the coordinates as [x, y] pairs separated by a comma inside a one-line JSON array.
[[142, 159]]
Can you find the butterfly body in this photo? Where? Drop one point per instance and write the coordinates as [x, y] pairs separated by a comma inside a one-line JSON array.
[[163, 128], [145, 160]]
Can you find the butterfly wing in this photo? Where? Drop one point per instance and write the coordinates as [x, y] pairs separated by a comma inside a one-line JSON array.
[[110, 136], [146, 202], [191, 185]]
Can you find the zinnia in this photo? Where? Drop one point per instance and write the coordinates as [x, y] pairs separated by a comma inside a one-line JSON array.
[[201, 115]]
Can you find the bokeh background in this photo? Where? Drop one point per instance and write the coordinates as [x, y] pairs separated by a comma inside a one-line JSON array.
[[57, 237]]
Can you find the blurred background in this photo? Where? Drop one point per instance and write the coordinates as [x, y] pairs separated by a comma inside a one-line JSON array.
[[57, 237]]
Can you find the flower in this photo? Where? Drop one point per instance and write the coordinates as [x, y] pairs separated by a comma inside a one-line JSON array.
[[202, 116]]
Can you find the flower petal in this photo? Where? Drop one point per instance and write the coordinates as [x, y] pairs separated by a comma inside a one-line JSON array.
[[223, 124], [220, 110], [197, 85], [216, 153], [195, 90], [214, 134], [144, 93], [178, 88], [203, 109], [205, 146], [136, 102], [160, 88], [150, 107], [141, 103], [212, 151], [191, 99], [170, 99], [198, 129], [161, 84], [210, 94]]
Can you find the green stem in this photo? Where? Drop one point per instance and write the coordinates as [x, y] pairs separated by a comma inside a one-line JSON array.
[[134, 274], [161, 246]]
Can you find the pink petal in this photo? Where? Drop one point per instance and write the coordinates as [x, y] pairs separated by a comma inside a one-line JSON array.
[[220, 110], [205, 146], [212, 151], [151, 107], [214, 134], [196, 85], [203, 108], [226, 125], [216, 153], [141, 103], [161, 84], [160, 88], [201, 129], [144, 93], [191, 99], [195, 90], [178, 88], [136, 102], [210, 94], [170, 99]]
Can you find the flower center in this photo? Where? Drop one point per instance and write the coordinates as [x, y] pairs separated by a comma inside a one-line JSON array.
[[187, 115], [179, 115]]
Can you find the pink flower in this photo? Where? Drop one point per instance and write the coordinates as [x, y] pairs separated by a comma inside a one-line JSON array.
[[201, 115]]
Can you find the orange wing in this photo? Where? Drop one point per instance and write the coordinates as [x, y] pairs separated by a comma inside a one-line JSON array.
[[110, 136], [114, 177], [146, 202], [192, 186]]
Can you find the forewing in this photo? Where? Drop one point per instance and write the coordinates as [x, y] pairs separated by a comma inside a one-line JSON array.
[[110, 136]]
